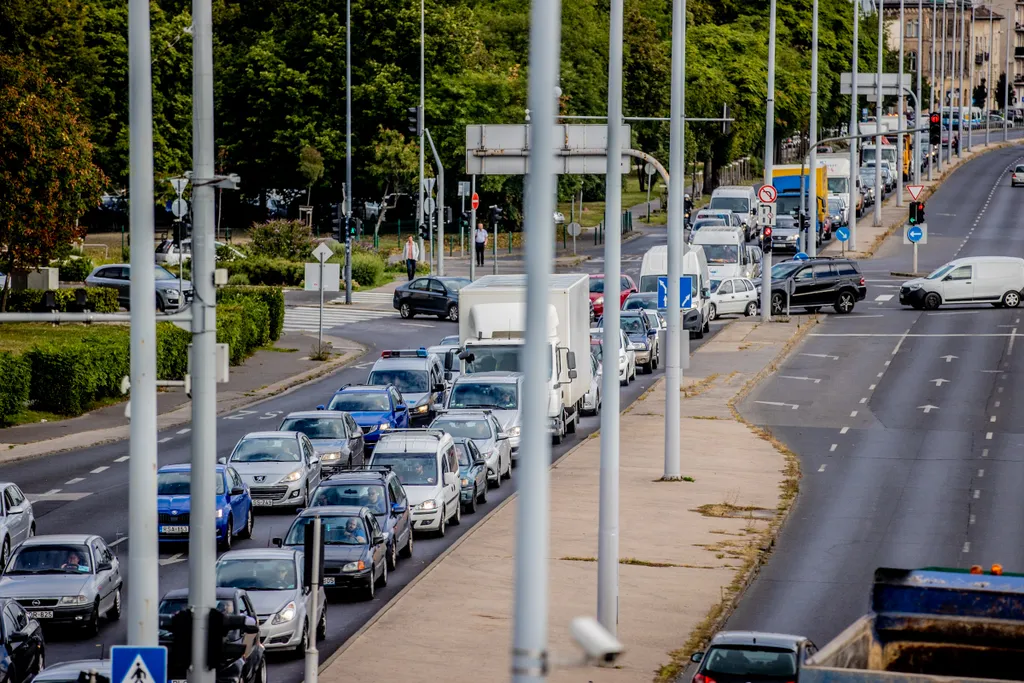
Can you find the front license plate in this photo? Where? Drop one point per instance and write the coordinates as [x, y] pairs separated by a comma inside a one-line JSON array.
[[177, 680], [262, 501], [328, 580], [41, 615], [174, 529]]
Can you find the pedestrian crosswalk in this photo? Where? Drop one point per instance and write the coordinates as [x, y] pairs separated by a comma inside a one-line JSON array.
[[307, 318], [376, 298]]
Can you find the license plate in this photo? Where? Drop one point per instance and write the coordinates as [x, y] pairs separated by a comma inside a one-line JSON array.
[[328, 580], [262, 501], [41, 615], [174, 529], [178, 680]]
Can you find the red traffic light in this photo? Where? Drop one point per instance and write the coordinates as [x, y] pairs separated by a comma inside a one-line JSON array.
[[935, 117], [767, 231]]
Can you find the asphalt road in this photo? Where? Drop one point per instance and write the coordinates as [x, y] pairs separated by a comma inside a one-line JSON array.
[[907, 428], [87, 490]]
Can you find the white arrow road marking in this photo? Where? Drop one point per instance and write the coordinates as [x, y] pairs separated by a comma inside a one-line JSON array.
[[949, 357], [820, 355], [794, 406], [806, 379], [927, 409], [172, 559], [938, 381], [821, 469]]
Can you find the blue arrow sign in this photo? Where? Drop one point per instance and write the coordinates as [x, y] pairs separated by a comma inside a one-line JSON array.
[[685, 292], [843, 234], [801, 256], [129, 664], [915, 233]]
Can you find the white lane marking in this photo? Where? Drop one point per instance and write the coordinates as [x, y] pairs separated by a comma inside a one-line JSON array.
[[417, 325], [820, 355], [186, 430], [899, 344], [887, 363], [853, 413], [938, 381], [872, 387], [992, 371], [992, 419], [880, 374], [779, 404], [984, 453], [967, 546], [988, 436], [981, 473], [882, 335], [859, 316], [821, 469], [172, 559], [121, 459], [73, 481], [952, 313], [64, 497], [997, 403], [806, 379], [1013, 336], [51, 492], [165, 439], [971, 520], [832, 447], [99, 469], [883, 297], [1000, 390], [864, 400], [118, 541], [844, 430], [977, 493], [927, 408]]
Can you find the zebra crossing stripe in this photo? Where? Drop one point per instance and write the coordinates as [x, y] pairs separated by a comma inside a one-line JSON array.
[[305, 318]]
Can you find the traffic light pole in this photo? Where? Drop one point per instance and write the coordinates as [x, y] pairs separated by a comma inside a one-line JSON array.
[[312, 657], [440, 204], [472, 233]]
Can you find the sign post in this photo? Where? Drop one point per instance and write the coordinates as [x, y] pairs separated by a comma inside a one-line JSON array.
[[649, 170], [315, 281], [843, 235], [312, 657], [464, 191], [474, 204], [915, 234]]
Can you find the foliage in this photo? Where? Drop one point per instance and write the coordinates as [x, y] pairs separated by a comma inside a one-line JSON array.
[[273, 297], [243, 325], [266, 271], [67, 378], [172, 344], [75, 269], [367, 269], [15, 373], [1001, 93], [281, 239], [311, 165], [240, 279], [980, 95], [98, 300]]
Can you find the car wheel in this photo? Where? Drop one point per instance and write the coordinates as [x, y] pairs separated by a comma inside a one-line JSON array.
[[407, 550], [392, 556], [556, 438], [247, 531], [844, 302], [712, 312], [228, 535], [471, 505], [371, 585], [159, 304], [261, 677], [453, 312], [570, 428], [115, 612], [321, 626], [5, 553], [778, 303], [92, 627], [384, 576], [932, 301], [707, 327], [405, 310], [457, 517], [1011, 299], [300, 649], [812, 309], [442, 528], [751, 309], [482, 495]]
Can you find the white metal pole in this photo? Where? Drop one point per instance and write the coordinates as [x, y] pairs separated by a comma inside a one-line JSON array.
[[989, 85], [901, 111], [919, 64], [973, 47], [530, 612], [931, 99], [879, 188], [472, 231], [854, 166], [422, 123], [1009, 81], [143, 589], [942, 89], [348, 155], [915, 258], [311, 663], [960, 84], [202, 530], [769, 162], [320, 326], [812, 186]]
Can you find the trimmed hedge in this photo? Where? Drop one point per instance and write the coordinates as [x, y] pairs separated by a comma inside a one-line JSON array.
[[243, 326], [275, 272], [367, 269], [273, 297], [67, 378], [15, 376], [171, 351], [99, 300], [75, 269]]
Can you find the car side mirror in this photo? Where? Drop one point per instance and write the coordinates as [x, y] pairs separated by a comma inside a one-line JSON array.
[[222, 461], [237, 490], [502, 436], [321, 407], [401, 407], [573, 374], [449, 478], [652, 332], [398, 508], [705, 292], [18, 637], [448, 375], [449, 360], [298, 511], [696, 657], [570, 360], [439, 386], [279, 542], [437, 407], [251, 626], [479, 461], [378, 539]]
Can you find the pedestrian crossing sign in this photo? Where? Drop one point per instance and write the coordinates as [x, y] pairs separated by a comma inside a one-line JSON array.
[[129, 664]]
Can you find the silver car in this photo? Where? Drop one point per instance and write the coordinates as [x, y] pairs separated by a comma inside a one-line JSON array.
[[17, 522], [484, 429], [71, 672], [171, 293], [280, 468], [496, 391], [337, 439], [65, 579], [272, 577]]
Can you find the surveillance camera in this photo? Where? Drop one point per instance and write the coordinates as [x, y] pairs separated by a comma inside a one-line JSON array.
[[595, 640]]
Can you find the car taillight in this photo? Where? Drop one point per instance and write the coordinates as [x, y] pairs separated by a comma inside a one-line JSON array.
[[862, 282], [703, 678]]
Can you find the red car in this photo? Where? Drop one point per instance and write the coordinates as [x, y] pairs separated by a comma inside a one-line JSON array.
[[626, 287]]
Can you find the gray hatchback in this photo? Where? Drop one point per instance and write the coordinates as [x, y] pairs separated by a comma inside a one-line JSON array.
[[171, 293]]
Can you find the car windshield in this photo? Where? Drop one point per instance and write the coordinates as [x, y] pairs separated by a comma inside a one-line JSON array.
[[697, 225], [787, 205], [1019, 169], [360, 495], [161, 273], [649, 283], [413, 469], [838, 185], [631, 324], [634, 303], [266, 450], [758, 663], [714, 285], [652, 318], [471, 429], [407, 381], [835, 206], [168, 608], [362, 401], [722, 253], [257, 574], [316, 427], [177, 483], [336, 530], [782, 270], [734, 204], [936, 274], [50, 559], [597, 349], [596, 285], [463, 452], [450, 340], [497, 396], [490, 358]]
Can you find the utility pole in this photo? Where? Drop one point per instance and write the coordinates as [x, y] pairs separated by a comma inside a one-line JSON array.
[[348, 154], [854, 166], [920, 105], [530, 611], [931, 83], [942, 88], [901, 112], [769, 165], [970, 83], [472, 231], [143, 589], [422, 124], [202, 532], [960, 85], [1006, 93], [990, 84], [608, 502], [879, 188], [812, 186]]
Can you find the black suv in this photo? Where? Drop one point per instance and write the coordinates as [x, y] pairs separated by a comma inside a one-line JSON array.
[[816, 282]]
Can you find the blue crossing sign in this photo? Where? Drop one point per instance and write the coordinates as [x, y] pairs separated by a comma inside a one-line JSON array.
[[915, 233], [130, 664], [685, 291], [801, 256], [843, 234]]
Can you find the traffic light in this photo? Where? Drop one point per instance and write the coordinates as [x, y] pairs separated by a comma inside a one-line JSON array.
[[916, 213], [766, 239], [494, 217], [181, 636], [415, 119], [424, 231], [338, 224], [464, 220], [935, 128], [220, 648], [447, 215]]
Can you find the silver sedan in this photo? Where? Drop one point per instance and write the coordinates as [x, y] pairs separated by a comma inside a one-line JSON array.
[[485, 431], [17, 521], [280, 468]]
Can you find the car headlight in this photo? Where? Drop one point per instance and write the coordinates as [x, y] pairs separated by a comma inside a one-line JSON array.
[[465, 482], [427, 505], [599, 301], [513, 431], [335, 455], [74, 600], [622, 359], [914, 286], [220, 514], [292, 476], [171, 293], [285, 615], [422, 409], [354, 566], [384, 426]]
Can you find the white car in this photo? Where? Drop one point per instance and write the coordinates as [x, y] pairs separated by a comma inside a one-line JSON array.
[[592, 399], [17, 523], [733, 295], [627, 357], [1017, 177]]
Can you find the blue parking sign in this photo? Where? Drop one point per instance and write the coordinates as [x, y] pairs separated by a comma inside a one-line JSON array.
[[685, 292]]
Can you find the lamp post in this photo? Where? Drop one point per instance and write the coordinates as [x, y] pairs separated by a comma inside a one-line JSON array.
[[769, 163], [854, 166], [879, 188], [812, 185], [931, 88], [901, 115]]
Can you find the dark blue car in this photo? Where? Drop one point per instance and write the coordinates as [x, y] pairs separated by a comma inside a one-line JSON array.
[[174, 502], [376, 409]]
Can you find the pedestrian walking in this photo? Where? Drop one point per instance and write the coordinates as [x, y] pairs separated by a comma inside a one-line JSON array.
[[480, 241], [412, 255]]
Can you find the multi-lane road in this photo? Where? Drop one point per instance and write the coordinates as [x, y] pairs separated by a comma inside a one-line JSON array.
[[910, 439], [87, 490]]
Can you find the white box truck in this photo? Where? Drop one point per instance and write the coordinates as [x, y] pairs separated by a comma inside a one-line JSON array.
[[696, 318], [838, 168], [492, 331]]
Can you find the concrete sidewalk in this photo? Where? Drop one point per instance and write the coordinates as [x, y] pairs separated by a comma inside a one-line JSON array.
[[687, 548]]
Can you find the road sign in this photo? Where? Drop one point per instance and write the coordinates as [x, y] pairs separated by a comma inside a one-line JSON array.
[[867, 83], [331, 281], [179, 185], [915, 190], [766, 214], [179, 207], [573, 229], [429, 205], [843, 234], [767, 194], [476, 201], [504, 149], [649, 168], [130, 664], [685, 291], [464, 188], [322, 252], [428, 185], [916, 234], [801, 256]]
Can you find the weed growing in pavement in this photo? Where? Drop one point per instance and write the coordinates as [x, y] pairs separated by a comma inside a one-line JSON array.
[[644, 563], [686, 479], [320, 351], [706, 417], [699, 387], [277, 349]]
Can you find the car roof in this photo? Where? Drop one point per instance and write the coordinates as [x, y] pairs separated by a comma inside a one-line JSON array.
[[338, 414], [100, 666], [367, 388], [354, 476], [464, 413], [337, 510], [259, 554], [186, 467], [223, 593], [778, 640], [402, 362], [502, 376], [58, 538], [389, 441], [272, 434]]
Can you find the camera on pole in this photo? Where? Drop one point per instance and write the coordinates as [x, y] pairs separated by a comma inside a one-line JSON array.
[[415, 118], [935, 128]]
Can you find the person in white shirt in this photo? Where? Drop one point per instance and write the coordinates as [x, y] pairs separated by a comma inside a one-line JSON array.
[[480, 241], [412, 255]]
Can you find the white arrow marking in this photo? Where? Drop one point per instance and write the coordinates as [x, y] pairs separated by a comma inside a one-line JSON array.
[[927, 409], [779, 404], [949, 358], [938, 381], [172, 560], [806, 379], [820, 355]]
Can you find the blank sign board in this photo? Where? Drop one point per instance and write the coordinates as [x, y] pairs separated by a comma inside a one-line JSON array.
[[505, 149]]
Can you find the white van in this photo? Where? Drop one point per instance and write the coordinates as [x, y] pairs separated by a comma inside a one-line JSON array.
[[726, 252], [742, 201], [998, 280], [655, 265]]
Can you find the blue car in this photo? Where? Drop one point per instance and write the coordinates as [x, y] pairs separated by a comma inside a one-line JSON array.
[[376, 409], [173, 503]]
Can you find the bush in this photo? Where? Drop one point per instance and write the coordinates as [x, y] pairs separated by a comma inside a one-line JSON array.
[[273, 297], [244, 325], [171, 351], [265, 271], [98, 300], [238, 279], [367, 269], [281, 239], [67, 378], [15, 378], [75, 269]]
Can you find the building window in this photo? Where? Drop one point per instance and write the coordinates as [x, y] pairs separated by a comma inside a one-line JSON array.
[[912, 28], [912, 62]]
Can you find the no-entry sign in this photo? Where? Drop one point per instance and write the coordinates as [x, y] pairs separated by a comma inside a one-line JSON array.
[[476, 201]]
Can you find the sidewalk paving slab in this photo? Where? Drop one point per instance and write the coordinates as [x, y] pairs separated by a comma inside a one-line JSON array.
[[686, 547]]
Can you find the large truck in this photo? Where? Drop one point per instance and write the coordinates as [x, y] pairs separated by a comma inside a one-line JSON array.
[[492, 331], [930, 625], [788, 182], [838, 171]]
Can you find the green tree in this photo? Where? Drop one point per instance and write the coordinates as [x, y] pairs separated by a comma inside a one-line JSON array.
[[46, 167], [394, 167], [311, 167]]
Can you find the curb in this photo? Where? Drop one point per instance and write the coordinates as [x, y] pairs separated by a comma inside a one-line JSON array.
[[896, 273], [183, 414]]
